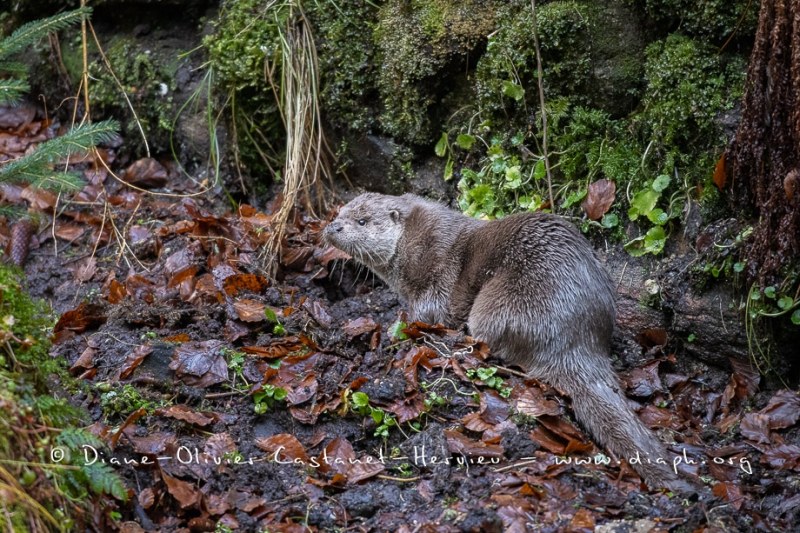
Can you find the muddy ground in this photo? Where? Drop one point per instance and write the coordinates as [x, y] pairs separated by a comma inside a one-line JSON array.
[[307, 403]]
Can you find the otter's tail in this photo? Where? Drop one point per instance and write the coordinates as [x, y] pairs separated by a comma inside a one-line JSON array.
[[602, 409]]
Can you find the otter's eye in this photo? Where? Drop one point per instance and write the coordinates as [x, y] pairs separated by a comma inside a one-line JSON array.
[[362, 221]]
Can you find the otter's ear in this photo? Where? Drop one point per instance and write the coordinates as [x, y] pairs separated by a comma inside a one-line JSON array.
[[394, 214]]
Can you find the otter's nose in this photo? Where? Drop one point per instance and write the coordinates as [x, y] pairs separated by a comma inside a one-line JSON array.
[[334, 227]]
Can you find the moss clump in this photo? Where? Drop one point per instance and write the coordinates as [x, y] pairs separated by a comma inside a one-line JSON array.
[[25, 325], [688, 86], [420, 43], [506, 75], [245, 41], [148, 83], [346, 54], [714, 19]]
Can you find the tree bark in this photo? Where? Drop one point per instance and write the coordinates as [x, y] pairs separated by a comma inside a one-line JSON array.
[[765, 156]]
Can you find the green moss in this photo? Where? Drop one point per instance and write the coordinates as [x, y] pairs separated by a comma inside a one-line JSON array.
[[147, 80], [25, 325], [714, 19], [419, 44], [506, 75], [245, 41], [347, 62]]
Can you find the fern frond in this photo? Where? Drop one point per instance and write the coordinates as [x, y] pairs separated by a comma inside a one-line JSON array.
[[55, 412], [11, 90], [34, 30], [36, 166], [103, 480], [75, 438]]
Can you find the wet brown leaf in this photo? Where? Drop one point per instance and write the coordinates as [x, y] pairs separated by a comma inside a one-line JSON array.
[[304, 391], [783, 409], [250, 310], [154, 443], [237, 283], [532, 402], [599, 198], [115, 292], [458, 443], [200, 364], [146, 173], [69, 232], [644, 381], [186, 494], [318, 312], [755, 427], [283, 446], [133, 360], [187, 414], [84, 362], [360, 326], [782, 457], [84, 317]]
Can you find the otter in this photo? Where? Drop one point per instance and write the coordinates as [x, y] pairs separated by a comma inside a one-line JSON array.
[[529, 285]]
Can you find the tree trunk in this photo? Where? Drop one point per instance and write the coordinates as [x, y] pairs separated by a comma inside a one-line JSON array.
[[765, 156]]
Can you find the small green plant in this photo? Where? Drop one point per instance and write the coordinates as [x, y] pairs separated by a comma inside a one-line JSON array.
[[396, 331], [272, 318], [645, 204], [489, 377], [433, 400], [359, 402], [266, 397], [124, 401]]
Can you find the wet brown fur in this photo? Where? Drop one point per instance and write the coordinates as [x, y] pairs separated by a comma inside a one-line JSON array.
[[529, 285]]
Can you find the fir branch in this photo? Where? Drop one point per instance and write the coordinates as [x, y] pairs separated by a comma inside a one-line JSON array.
[[17, 68], [35, 167], [11, 90], [34, 30]]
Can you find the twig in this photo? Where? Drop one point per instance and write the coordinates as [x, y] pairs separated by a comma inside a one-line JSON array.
[[540, 76]]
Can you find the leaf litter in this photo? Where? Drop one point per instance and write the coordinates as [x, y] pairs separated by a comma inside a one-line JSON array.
[[167, 296]]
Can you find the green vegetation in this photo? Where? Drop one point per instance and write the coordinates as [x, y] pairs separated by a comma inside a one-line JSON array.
[[121, 403], [488, 376], [243, 54], [266, 397], [359, 402], [47, 482]]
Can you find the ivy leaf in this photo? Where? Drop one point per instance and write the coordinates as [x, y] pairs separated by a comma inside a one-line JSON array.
[[360, 399], [785, 302], [609, 220], [661, 183], [441, 146], [769, 292], [465, 141], [540, 170], [448, 170], [512, 90], [658, 216], [655, 239], [643, 202]]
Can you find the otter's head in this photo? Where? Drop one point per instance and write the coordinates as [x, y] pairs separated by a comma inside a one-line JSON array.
[[368, 228]]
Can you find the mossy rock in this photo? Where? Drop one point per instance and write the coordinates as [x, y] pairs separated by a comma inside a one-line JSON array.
[[348, 77], [421, 43], [713, 20]]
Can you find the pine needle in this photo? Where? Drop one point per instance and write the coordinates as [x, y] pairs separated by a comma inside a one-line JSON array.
[[34, 30]]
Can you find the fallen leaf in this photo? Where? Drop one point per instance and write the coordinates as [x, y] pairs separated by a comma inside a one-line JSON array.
[[186, 414], [250, 310], [186, 494], [237, 283], [146, 173], [720, 176], [283, 446], [360, 326], [200, 364], [599, 198], [460, 444], [133, 360]]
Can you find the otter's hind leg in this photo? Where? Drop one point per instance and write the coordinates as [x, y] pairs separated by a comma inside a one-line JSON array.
[[516, 328]]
